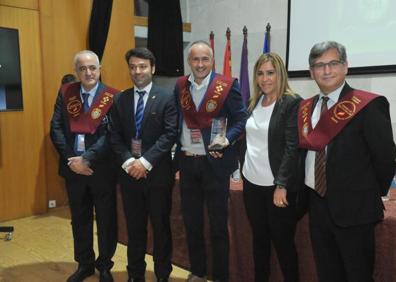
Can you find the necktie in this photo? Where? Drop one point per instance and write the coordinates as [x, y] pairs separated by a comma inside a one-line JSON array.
[[139, 112], [85, 97], [320, 160]]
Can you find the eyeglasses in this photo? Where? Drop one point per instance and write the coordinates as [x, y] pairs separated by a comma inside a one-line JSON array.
[[332, 64]]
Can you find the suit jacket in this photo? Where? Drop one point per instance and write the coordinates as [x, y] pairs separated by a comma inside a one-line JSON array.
[[97, 147], [235, 112], [282, 142], [158, 132], [360, 165]]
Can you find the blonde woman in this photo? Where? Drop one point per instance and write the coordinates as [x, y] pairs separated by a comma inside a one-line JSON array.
[[269, 168]]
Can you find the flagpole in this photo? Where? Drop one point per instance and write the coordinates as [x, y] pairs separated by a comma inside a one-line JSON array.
[[211, 40], [267, 39], [244, 72], [227, 67]]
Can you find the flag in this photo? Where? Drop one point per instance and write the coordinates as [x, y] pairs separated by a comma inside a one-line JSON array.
[[211, 40], [227, 56], [266, 48], [244, 73]]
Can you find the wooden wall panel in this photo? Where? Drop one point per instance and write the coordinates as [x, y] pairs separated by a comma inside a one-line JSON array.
[[22, 166], [120, 39], [25, 4], [64, 26]]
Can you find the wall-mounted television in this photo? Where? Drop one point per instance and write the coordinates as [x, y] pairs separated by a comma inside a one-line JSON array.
[[10, 71]]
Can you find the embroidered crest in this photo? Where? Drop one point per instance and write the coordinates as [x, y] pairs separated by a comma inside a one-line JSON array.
[[211, 105], [96, 113], [73, 107]]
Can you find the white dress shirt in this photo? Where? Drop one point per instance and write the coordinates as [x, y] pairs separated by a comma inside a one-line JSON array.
[[257, 167], [144, 162], [198, 92], [91, 93], [310, 159]]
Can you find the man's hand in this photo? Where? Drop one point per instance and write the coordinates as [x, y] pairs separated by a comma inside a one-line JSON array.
[[79, 165], [216, 154], [217, 146], [280, 197], [137, 170]]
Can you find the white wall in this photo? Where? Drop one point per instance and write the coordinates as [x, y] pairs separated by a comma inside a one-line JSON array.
[[217, 15]]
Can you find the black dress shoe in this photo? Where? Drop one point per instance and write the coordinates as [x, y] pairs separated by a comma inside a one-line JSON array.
[[105, 276], [162, 279], [81, 273]]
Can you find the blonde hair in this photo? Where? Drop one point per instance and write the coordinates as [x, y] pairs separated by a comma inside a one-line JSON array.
[[283, 87]]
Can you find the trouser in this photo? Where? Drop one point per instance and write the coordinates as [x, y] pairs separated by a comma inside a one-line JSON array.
[[199, 186]]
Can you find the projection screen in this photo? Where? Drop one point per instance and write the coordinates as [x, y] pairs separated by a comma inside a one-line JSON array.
[[367, 28]]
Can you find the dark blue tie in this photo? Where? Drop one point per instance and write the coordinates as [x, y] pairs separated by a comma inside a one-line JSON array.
[[139, 112], [85, 97]]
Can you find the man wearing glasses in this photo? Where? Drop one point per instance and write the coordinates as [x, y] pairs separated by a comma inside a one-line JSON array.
[[348, 167], [79, 134]]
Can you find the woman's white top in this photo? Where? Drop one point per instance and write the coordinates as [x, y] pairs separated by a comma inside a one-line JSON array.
[[257, 168]]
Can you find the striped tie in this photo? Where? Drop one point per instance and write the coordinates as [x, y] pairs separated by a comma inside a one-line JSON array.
[[320, 160], [139, 112]]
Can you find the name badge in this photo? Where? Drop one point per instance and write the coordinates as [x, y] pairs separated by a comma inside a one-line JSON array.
[[195, 135], [80, 143], [136, 146]]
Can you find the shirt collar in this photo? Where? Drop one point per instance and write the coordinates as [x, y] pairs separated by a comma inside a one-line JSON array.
[[205, 81], [91, 92], [147, 88], [335, 95]]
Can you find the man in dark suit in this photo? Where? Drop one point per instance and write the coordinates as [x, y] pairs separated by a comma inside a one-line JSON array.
[[348, 167], [79, 133], [204, 172], [143, 131]]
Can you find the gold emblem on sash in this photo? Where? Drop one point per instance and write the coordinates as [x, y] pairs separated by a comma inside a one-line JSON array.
[[345, 110], [74, 106], [305, 118], [211, 105], [96, 113]]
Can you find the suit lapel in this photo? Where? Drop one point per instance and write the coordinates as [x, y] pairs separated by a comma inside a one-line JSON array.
[[98, 90], [129, 106], [273, 120], [150, 101]]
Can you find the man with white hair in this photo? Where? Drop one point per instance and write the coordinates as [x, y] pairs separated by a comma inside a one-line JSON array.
[[80, 135]]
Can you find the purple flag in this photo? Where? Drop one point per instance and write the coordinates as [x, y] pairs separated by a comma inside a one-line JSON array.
[[266, 48], [244, 73]]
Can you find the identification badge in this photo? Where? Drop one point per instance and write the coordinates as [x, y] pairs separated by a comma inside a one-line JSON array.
[[196, 136], [81, 143], [136, 147]]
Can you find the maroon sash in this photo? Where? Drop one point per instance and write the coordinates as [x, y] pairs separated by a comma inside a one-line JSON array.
[[211, 105], [87, 122], [332, 121]]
